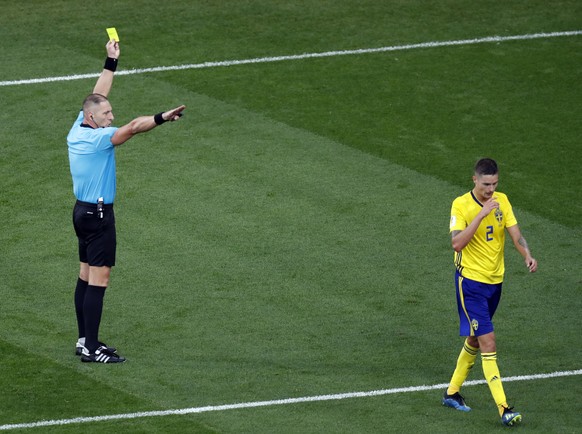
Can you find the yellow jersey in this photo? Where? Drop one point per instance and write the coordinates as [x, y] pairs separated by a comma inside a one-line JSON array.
[[483, 258]]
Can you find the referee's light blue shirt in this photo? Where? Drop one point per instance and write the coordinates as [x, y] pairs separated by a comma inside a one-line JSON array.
[[92, 161]]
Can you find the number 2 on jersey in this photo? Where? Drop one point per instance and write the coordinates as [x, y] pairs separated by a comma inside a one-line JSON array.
[[489, 235]]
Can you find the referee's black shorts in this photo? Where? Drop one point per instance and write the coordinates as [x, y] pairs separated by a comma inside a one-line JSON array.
[[96, 234]]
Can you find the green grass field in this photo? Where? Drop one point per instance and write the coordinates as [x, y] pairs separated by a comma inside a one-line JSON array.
[[288, 238]]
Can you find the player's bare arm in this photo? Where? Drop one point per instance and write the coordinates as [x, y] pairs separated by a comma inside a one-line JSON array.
[[145, 123], [521, 245], [460, 239]]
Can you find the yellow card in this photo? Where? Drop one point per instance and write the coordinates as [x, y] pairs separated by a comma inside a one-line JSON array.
[[112, 34]]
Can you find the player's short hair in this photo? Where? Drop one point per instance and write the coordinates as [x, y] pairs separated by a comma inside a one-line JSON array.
[[486, 166], [93, 99]]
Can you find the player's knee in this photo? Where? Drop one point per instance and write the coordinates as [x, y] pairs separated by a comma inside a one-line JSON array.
[[473, 341], [487, 343]]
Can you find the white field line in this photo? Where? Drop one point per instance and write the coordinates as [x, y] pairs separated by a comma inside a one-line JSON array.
[[434, 44], [243, 405]]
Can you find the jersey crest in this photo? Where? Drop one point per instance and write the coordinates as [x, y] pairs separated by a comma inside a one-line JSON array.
[[499, 216]]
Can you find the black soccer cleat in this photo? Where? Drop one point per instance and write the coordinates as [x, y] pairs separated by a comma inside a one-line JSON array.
[[101, 355], [79, 348]]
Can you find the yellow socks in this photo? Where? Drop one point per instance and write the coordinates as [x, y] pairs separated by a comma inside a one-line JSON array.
[[493, 378], [465, 362]]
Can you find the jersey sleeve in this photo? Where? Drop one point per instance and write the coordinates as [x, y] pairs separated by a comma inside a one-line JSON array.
[[104, 139], [79, 119], [510, 219], [458, 220]]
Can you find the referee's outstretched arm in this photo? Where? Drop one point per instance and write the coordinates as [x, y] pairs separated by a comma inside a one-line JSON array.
[[145, 123]]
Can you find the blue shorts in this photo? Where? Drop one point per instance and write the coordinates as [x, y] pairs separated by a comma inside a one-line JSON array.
[[477, 303]]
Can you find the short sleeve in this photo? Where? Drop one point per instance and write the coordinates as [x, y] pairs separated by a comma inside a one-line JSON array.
[[510, 219], [104, 139], [458, 221]]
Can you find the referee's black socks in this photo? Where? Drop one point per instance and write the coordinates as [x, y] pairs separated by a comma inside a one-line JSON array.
[[80, 291]]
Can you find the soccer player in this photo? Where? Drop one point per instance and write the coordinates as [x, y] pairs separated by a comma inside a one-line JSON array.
[[478, 223], [91, 142]]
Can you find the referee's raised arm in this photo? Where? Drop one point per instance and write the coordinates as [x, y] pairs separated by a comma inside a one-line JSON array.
[[105, 80]]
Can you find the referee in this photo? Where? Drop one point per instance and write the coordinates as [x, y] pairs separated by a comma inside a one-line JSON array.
[[91, 143]]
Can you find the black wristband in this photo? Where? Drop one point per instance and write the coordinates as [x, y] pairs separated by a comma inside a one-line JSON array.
[[110, 64], [159, 119]]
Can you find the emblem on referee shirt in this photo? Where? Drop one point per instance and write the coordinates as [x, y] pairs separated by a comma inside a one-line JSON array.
[[475, 324]]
